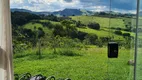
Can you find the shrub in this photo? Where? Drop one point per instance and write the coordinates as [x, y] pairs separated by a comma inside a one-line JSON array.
[[94, 26], [118, 28], [28, 33], [105, 39], [47, 24], [66, 22], [112, 28], [127, 42], [80, 25], [81, 35], [59, 30], [41, 33], [52, 17], [99, 43], [71, 31], [92, 38], [126, 34], [127, 29], [118, 32], [139, 29], [67, 52], [126, 26]]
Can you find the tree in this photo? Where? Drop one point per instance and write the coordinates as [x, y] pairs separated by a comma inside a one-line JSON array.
[[92, 38], [71, 31], [41, 33], [52, 17], [94, 26], [21, 18], [81, 35], [126, 35], [118, 32], [66, 22], [59, 30]]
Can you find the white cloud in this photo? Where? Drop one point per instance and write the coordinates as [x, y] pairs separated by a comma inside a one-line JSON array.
[[73, 4], [101, 8], [50, 5], [124, 11], [31, 8], [16, 1], [55, 5], [98, 8], [36, 1]]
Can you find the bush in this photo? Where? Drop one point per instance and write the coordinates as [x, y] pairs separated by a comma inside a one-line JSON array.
[[99, 43], [41, 33], [48, 24], [118, 28], [139, 29], [71, 31], [105, 39], [81, 35], [66, 22], [92, 38], [51, 17], [28, 33], [67, 52], [80, 25], [112, 28], [118, 32], [94, 26], [59, 30], [126, 35]]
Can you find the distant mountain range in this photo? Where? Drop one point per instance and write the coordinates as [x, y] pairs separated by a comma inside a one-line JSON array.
[[70, 12], [25, 10], [65, 12]]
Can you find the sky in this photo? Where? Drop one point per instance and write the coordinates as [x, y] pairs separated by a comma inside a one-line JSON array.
[[92, 5]]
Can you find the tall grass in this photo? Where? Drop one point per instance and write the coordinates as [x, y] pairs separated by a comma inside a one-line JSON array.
[[92, 65]]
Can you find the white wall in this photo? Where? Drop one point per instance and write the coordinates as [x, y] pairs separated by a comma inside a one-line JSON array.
[[6, 70]]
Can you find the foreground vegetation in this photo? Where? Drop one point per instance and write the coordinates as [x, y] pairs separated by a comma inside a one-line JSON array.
[[91, 64]]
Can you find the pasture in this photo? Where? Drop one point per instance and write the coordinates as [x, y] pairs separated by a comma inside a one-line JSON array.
[[92, 64], [89, 63], [104, 22]]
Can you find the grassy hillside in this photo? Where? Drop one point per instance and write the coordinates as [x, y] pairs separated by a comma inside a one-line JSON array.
[[104, 22], [101, 33], [31, 26], [67, 57]]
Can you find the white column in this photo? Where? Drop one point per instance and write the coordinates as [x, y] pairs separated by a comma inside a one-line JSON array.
[[6, 70]]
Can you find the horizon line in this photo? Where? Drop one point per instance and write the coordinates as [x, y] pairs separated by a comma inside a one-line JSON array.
[[126, 11]]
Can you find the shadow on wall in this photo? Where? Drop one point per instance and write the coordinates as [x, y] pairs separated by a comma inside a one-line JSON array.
[[3, 61]]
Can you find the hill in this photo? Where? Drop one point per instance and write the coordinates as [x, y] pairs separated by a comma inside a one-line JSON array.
[[76, 12], [66, 12], [29, 11], [70, 12], [21, 10], [54, 46]]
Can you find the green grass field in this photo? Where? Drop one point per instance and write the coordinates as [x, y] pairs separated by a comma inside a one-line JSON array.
[[139, 68], [101, 33], [104, 22], [92, 65], [31, 26]]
